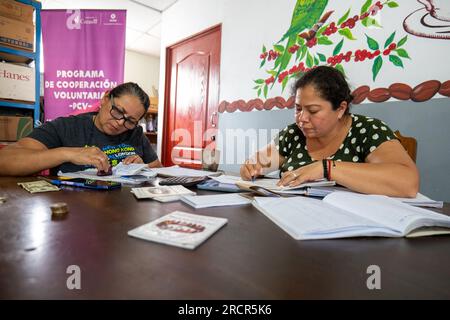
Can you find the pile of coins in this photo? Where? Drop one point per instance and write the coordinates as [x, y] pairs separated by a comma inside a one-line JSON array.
[[59, 210]]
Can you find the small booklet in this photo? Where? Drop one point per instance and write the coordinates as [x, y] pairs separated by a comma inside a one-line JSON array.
[[347, 214], [269, 186], [179, 229], [161, 192], [215, 200]]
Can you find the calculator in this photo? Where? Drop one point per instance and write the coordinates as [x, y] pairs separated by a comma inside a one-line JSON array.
[[185, 181]]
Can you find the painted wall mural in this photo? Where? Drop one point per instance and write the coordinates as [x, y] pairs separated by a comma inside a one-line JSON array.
[[360, 36]]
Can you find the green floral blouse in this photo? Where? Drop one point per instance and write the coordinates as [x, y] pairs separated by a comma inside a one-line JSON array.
[[364, 136]]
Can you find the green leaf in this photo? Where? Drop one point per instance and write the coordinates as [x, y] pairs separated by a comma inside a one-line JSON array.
[[347, 33], [377, 63], [279, 48], [262, 63], [389, 40], [284, 83], [366, 6], [259, 92], [309, 60], [370, 22], [257, 87], [264, 49], [273, 73], [396, 61], [266, 88], [320, 31], [259, 81], [338, 48], [316, 61], [277, 61], [340, 68], [300, 41], [402, 41], [373, 45], [322, 57], [402, 53], [392, 4], [344, 17], [324, 40], [304, 50], [297, 54]]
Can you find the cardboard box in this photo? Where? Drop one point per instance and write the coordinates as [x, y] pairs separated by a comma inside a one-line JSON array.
[[15, 128], [16, 34], [17, 11], [17, 82]]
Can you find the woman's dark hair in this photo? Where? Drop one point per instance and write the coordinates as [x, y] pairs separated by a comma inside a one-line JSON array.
[[131, 88], [329, 82]]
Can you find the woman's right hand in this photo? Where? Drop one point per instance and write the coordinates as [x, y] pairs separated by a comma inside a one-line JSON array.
[[250, 169], [88, 156]]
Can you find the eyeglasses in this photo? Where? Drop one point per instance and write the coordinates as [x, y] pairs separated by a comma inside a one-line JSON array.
[[118, 115]]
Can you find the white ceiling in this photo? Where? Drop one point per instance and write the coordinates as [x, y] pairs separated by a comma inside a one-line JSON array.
[[143, 32]]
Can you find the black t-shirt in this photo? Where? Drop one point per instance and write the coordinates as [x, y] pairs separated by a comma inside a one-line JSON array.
[[80, 131]]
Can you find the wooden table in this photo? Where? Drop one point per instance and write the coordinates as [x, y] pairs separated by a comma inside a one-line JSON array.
[[250, 258]]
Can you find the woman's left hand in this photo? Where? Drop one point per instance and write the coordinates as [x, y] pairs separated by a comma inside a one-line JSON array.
[[133, 159], [311, 172]]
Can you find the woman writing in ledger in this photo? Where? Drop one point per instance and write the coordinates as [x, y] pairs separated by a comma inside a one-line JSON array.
[[327, 141], [88, 140]]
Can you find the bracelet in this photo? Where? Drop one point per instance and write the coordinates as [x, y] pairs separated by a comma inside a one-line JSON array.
[[325, 168]]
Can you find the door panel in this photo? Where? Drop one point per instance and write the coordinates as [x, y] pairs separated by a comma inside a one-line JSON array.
[[192, 77]]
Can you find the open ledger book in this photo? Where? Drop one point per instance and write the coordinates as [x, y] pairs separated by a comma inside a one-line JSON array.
[[346, 214]]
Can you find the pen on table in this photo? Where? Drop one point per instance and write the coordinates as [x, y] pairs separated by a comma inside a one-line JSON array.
[[58, 182]]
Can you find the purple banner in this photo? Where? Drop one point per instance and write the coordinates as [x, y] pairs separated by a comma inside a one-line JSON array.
[[84, 56]]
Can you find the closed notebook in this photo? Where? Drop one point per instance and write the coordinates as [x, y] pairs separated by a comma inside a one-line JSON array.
[[346, 214], [180, 229], [215, 200]]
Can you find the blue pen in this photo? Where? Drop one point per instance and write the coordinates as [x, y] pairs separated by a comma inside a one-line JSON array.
[[94, 185]]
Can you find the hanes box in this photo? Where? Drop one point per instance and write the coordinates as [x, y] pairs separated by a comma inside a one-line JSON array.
[[14, 128], [16, 10], [16, 34], [17, 82]]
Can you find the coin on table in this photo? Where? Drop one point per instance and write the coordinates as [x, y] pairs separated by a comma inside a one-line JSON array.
[[59, 209]]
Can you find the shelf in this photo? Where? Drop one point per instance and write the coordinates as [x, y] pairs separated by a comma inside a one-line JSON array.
[[16, 55], [21, 56], [17, 104]]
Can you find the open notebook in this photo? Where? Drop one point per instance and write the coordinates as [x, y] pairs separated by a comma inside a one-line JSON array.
[[346, 214]]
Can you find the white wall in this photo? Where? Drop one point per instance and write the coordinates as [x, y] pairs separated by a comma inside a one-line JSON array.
[[142, 69]]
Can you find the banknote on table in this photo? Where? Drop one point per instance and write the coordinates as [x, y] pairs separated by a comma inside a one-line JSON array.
[[38, 186]]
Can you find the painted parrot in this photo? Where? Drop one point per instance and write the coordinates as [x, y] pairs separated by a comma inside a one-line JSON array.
[[306, 14]]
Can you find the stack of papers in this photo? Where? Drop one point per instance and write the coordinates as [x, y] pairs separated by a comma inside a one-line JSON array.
[[179, 229], [419, 201], [223, 183], [161, 193], [144, 174], [220, 200], [129, 169], [176, 171]]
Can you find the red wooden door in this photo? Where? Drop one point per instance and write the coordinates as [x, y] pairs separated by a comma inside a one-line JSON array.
[[191, 98]]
